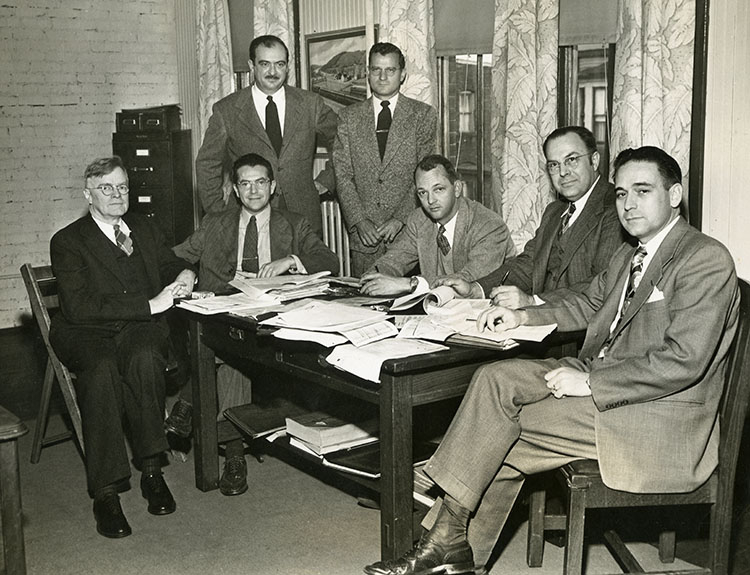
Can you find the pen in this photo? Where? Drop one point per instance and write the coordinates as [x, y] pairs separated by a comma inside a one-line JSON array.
[[505, 277]]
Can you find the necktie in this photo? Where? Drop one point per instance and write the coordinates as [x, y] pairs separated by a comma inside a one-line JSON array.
[[566, 217], [125, 243], [273, 127], [250, 248], [442, 241], [636, 272], [383, 126]]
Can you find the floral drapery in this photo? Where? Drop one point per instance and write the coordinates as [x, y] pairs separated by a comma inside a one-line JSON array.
[[276, 17], [409, 25], [214, 57], [653, 85], [524, 110]]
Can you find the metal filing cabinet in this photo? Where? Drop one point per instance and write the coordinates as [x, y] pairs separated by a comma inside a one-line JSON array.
[[160, 173]]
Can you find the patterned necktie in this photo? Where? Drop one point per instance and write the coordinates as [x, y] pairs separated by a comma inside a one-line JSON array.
[[273, 127], [566, 217], [384, 125], [636, 272], [125, 243], [442, 241], [250, 247]]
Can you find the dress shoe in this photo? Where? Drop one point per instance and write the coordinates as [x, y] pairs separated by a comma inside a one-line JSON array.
[[110, 520], [234, 477], [428, 557], [180, 420], [155, 490]]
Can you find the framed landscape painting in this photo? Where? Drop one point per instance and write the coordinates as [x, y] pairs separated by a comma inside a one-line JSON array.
[[337, 65]]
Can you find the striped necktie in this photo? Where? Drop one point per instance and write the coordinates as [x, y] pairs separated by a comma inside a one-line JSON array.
[[636, 272], [124, 242], [442, 241], [566, 217]]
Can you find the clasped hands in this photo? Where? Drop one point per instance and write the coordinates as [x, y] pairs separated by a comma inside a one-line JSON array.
[[371, 235], [182, 286]]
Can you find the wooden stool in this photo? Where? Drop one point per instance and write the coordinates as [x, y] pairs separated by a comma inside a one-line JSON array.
[[11, 514]]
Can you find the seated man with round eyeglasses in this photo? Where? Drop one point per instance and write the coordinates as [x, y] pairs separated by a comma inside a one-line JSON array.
[[257, 238]]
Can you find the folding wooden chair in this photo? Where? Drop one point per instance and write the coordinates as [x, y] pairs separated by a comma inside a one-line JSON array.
[[41, 286], [585, 490]]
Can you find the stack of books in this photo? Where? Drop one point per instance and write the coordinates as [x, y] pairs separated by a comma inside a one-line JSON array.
[[321, 433]]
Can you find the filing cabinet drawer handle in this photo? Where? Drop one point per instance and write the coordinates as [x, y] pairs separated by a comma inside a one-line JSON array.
[[236, 333], [146, 169]]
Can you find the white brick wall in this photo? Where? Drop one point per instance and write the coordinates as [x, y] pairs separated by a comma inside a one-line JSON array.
[[66, 67]]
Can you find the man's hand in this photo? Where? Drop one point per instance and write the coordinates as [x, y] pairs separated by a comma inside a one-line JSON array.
[[164, 300], [390, 229], [368, 233], [276, 267], [463, 288], [499, 319], [568, 381], [188, 280], [382, 285], [510, 297]]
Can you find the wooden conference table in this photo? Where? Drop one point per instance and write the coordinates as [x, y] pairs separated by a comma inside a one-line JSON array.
[[405, 383]]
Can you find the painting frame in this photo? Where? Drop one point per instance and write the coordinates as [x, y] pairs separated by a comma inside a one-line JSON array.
[[337, 65]]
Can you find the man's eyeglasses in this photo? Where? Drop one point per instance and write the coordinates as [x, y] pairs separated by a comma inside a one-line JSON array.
[[377, 71], [571, 163], [109, 189], [259, 184]]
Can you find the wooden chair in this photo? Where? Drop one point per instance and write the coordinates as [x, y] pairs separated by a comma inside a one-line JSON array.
[[585, 490], [41, 286]]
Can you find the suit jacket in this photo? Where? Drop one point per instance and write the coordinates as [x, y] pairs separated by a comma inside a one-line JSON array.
[[214, 245], [658, 385], [93, 294], [594, 237], [235, 129], [367, 187], [481, 240]]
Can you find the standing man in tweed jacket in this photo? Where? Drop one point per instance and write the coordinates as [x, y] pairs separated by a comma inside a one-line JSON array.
[[378, 144]]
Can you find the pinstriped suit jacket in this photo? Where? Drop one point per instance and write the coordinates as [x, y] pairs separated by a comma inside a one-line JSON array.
[[214, 245], [594, 237], [368, 188]]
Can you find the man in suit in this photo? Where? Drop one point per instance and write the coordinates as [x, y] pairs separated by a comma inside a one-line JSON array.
[[112, 268], [378, 144], [576, 238], [278, 122], [254, 238], [660, 321], [448, 235]]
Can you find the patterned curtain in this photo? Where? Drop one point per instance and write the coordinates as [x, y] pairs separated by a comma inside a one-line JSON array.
[[524, 110], [409, 25], [276, 17], [654, 77], [214, 57]]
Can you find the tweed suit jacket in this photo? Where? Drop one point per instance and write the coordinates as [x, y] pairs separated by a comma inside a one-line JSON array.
[[214, 245], [93, 293], [480, 238], [658, 385], [594, 237], [367, 187], [235, 129]]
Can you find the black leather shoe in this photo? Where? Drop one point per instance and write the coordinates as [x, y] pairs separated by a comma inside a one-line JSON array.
[[110, 520], [155, 490], [234, 477], [180, 420], [428, 558]]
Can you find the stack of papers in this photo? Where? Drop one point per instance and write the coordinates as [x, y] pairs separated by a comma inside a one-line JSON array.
[[238, 303], [284, 287]]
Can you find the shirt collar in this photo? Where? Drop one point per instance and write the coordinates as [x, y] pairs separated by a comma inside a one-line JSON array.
[[279, 96], [654, 243], [450, 228], [261, 219], [109, 229], [376, 102]]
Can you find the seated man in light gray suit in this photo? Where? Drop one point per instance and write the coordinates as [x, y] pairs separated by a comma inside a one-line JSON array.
[[252, 237], [448, 235], [660, 322]]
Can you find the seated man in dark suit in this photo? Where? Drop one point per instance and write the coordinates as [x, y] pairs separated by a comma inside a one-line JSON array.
[[576, 238], [251, 237], [111, 269], [660, 322], [448, 235]]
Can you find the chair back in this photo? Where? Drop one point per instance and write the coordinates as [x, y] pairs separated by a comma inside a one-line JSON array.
[[41, 285]]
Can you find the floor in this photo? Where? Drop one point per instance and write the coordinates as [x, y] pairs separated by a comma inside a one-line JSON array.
[[289, 522]]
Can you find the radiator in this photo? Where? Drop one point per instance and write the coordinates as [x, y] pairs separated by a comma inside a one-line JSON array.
[[335, 236]]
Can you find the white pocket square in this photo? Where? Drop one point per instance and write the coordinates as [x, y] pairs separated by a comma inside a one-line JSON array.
[[656, 295]]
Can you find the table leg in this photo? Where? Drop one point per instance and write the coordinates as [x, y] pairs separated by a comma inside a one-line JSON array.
[[205, 438], [10, 509], [396, 470]]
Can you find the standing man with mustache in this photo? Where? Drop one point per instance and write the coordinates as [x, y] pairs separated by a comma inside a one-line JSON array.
[[280, 123]]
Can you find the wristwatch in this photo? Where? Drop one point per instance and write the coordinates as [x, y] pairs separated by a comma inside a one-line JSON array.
[[413, 284]]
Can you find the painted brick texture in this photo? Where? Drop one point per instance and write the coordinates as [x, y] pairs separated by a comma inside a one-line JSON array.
[[66, 68]]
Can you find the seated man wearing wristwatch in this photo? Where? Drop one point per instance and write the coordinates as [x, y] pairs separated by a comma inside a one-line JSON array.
[[448, 235]]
